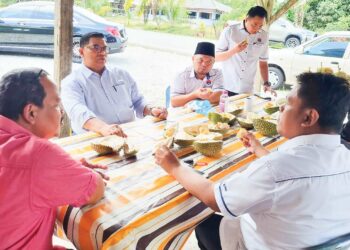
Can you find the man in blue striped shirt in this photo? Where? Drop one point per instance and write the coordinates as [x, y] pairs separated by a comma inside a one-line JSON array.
[[98, 98]]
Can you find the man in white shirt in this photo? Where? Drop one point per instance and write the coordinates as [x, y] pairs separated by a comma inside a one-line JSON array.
[[240, 47], [98, 98], [200, 81], [292, 198]]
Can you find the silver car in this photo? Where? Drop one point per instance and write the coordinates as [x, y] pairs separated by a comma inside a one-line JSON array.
[[286, 32]]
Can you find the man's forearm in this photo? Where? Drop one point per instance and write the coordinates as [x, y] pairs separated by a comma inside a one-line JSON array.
[[181, 100], [223, 56], [95, 125], [264, 71], [197, 185]]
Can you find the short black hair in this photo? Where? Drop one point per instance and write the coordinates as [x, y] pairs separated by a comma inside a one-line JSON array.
[[18, 88], [257, 11], [329, 95], [85, 39]]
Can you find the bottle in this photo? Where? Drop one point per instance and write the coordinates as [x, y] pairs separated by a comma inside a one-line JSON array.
[[223, 101], [248, 104]]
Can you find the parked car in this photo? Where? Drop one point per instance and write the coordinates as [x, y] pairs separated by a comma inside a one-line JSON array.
[[331, 50], [286, 32], [28, 27]]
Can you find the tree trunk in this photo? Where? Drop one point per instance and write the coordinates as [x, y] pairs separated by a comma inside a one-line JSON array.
[[63, 48], [285, 7]]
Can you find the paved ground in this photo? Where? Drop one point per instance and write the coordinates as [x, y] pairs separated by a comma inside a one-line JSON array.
[[153, 70]]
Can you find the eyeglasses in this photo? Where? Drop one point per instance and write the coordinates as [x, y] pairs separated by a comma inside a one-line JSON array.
[[97, 48], [205, 62]]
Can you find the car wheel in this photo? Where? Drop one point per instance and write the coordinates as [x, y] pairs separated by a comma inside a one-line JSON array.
[[76, 55], [275, 77], [292, 42]]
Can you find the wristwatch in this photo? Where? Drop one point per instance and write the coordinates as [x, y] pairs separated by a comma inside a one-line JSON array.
[[267, 84]]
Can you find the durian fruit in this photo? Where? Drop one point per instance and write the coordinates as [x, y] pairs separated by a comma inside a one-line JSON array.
[[241, 133], [129, 150], [169, 132], [108, 144], [325, 70], [183, 139], [215, 117], [233, 109], [271, 108], [196, 129], [219, 127], [245, 123], [209, 136], [208, 148], [342, 74], [265, 126]]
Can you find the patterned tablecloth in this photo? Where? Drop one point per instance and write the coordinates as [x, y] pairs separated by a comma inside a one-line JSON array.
[[143, 207]]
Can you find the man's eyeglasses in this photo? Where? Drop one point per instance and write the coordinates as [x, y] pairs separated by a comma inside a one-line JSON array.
[[97, 48], [205, 62]]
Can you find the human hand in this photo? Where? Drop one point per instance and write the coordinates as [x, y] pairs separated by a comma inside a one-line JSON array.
[[204, 93], [240, 46], [254, 146], [250, 142], [159, 112], [166, 159], [269, 89], [92, 166], [112, 129]]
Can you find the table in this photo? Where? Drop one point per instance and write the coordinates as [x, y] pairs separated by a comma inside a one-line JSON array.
[[143, 207]]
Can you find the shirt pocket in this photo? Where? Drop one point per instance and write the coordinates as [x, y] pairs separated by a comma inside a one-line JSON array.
[[124, 104], [257, 49]]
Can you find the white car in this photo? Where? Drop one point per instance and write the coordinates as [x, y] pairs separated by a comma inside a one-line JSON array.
[[331, 50], [286, 32]]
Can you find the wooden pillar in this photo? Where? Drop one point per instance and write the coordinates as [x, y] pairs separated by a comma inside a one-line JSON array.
[[63, 48]]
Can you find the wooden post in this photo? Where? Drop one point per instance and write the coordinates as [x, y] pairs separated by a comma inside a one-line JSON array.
[[63, 48]]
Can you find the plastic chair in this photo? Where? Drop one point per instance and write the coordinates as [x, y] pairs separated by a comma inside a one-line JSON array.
[[167, 97], [339, 243]]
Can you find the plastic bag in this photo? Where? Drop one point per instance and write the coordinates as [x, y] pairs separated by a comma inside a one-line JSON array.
[[200, 106]]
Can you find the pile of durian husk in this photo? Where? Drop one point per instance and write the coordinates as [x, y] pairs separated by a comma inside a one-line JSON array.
[[200, 138], [113, 144]]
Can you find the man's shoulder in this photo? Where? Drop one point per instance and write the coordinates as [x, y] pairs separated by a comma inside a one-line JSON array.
[[185, 73], [215, 72]]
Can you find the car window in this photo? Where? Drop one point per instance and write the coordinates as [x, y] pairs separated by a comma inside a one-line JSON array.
[[24, 13], [44, 13], [328, 47]]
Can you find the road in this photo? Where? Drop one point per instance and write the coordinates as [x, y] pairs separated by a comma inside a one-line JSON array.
[[153, 70]]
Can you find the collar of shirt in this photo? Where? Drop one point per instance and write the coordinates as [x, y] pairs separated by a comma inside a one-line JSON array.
[[88, 72], [315, 139], [193, 75], [12, 127], [242, 27]]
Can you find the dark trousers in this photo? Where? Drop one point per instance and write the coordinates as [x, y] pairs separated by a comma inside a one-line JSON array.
[[231, 93], [207, 233]]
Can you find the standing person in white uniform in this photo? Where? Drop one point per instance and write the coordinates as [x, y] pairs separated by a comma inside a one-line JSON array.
[[292, 198], [200, 81], [240, 48]]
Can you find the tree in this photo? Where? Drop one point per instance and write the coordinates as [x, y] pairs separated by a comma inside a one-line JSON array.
[[322, 13], [174, 9], [127, 7]]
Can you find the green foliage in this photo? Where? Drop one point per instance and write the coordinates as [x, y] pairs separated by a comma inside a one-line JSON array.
[[239, 9], [174, 9], [4, 3], [322, 15]]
